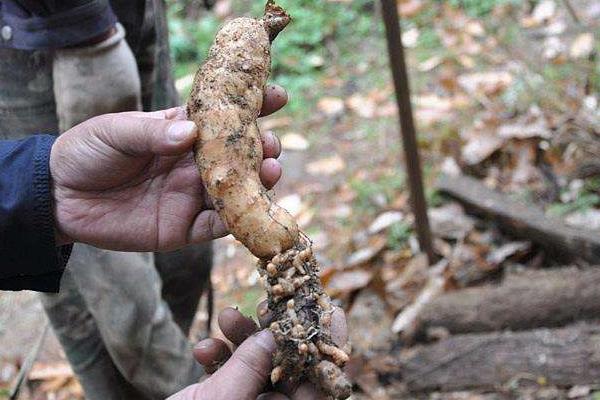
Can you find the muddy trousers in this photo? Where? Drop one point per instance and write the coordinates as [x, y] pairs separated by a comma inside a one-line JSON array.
[[124, 341]]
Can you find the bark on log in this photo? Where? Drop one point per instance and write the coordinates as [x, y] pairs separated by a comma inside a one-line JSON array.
[[526, 300], [563, 357], [523, 221]]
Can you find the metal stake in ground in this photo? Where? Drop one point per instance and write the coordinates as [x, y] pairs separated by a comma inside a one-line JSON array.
[[409, 139]]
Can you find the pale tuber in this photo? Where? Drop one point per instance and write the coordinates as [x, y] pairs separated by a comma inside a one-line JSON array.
[[225, 102]]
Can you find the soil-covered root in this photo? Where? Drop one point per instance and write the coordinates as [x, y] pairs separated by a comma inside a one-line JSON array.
[[225, 102], [302, 322]]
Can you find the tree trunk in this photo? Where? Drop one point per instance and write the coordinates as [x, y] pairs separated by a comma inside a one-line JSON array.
[[563, 357], [523, 221], [526, 300]]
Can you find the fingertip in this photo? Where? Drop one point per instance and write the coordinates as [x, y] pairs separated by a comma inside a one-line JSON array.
[[235, 326], [176, 113], [211, 353], [270, 172], [249, 367], [271, 145], [265, 316], [181, 132], [275, 98], [339, 327], [208, 225], [308, 391]]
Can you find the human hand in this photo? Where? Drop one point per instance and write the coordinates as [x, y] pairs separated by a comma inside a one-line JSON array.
[[245, 373], [128, 181]]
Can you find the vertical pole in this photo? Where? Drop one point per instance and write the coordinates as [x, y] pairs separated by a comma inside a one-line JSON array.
[[409, 139]]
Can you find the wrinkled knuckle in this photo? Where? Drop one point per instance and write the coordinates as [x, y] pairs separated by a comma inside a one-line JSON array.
[[106, 121]]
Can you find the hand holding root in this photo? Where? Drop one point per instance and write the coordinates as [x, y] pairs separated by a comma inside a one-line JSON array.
[[225, 101], [214, 353]]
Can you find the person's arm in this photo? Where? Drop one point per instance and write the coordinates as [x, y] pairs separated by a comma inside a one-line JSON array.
[[123, 182], [29, 257]]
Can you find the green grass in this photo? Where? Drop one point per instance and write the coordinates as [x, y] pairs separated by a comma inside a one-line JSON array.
[[301, 53], [479, 8], [583, 202], [398, 234], [247, 300], [366, 191]]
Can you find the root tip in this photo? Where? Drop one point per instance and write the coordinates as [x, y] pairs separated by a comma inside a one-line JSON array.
[[276, 19]]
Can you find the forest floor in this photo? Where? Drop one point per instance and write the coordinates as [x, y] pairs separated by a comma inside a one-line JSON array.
[[504, 92]]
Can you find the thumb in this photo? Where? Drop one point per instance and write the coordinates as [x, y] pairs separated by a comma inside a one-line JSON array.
[[246, 373], [138, 135]]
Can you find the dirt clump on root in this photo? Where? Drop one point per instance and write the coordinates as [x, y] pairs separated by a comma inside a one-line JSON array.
[[302, 314]]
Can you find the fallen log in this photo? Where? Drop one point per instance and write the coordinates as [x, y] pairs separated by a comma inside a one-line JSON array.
[[523, 221], [525, 300], [563, 357]]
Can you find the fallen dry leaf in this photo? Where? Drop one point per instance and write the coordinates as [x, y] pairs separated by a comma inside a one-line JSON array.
[[500, 254], [348, 281], [292, 203], [489, 83], [450, 221], [553, 48], [326, 166], [542, 12], [294, 141], [331, 106], [589, 219], [480, 146], [362, 105], [366, 253], [524, 171], [475, 28], [384, 221], [54, 384], [582, 46], [537, 129], [466, 61], [406, 320], [44, 371], [369, 313], [430, 63], [410, 8], [579, 391], [410, 38], [431, 108], [450, 167]]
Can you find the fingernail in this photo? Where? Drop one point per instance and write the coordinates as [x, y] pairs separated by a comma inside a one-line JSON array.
[[202, 345], [269, 139], [180, 131], [265, 340]]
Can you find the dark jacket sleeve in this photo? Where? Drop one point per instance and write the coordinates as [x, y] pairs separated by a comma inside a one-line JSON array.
[[50, 24], [29, 258]]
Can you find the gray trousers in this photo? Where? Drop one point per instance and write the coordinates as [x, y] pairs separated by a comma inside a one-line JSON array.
[[122, 318]]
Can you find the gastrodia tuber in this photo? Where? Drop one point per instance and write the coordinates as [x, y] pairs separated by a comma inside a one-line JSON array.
[[225, 102]]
